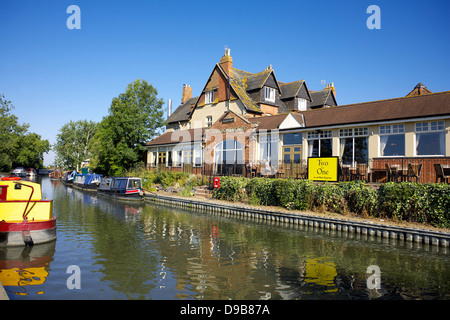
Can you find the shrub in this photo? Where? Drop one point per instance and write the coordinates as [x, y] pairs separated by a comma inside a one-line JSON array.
[[360, 198], [231, 189], [429, 203], [415, 202]]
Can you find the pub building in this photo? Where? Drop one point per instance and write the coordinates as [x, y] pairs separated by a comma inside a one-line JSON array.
[[252, 124]]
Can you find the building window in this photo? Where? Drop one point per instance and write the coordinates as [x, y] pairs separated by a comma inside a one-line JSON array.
[[392, 140], [209, 97], [228, 157], [268, 146], [197, 155], [187, 156], [209, 121], [269, 94], [292, 154], [320, 143], [292, 138], [162, 157], [301, 104], [154, 158], [430, 138], [354, 145], [178, 158]]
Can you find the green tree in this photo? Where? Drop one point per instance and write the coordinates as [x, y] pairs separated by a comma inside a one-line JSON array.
[[73, 143], [18, 147], [31, 151], [133, 119]]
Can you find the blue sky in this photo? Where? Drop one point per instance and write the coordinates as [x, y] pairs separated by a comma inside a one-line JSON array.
[[53, 74]]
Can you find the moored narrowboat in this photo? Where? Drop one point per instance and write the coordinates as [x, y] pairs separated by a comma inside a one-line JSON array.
[[19, 172], [126, 188], [68, 177], [88, 182], [25, 218]]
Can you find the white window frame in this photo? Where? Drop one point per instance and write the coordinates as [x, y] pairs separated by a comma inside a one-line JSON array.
[[391, 130], [325, 134], [302, 104], [209, 97], [322, 135], [197, 155], [208, 121], [352, 133], [270, 152], [269, 94]]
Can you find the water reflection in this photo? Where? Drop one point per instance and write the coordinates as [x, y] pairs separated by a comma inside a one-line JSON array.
[[141, 251], [22, 267]]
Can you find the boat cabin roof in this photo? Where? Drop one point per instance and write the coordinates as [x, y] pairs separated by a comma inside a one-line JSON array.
[[19, 190]]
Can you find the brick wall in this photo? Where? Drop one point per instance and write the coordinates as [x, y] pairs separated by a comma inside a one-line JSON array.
[[427, 174]]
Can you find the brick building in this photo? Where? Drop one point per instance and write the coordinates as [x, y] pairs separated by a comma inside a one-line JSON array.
[[242, 120]]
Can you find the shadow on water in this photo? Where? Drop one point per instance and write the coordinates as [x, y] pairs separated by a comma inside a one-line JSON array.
[[129, 250]]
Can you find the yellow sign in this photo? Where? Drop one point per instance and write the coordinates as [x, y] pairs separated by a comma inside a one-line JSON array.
[[323, 169]]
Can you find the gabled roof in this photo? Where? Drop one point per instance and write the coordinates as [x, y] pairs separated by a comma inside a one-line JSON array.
[[418, 90], [291, 89], [238, 88], [257, 80], [239, 85], [320, 98]]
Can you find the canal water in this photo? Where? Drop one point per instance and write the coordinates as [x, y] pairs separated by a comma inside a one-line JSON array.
[[108, 249]]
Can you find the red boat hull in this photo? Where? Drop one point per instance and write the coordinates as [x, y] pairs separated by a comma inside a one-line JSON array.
[[27, 232]]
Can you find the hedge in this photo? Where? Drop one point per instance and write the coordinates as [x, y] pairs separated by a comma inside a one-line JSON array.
[[405, 201]]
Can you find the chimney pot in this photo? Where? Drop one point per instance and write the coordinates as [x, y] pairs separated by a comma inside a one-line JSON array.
[[187, 93], [226, 62]]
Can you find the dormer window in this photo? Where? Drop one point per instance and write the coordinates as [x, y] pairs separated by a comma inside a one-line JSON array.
[[209, 97], [301, 104], [269, 94]]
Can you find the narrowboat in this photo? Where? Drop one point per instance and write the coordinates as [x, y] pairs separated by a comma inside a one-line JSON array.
[[125, 188], [68, 177], [88, 181], [25, 218], [19, 172]]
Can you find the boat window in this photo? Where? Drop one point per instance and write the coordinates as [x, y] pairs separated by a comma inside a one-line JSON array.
[[121, 184], [134, 184]]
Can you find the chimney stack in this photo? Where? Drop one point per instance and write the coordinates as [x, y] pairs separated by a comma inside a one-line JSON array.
[[187, 93], [331, 86], [226, 62]]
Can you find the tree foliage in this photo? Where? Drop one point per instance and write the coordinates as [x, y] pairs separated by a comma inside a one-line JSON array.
[[18, 147], [134, 118], [73, 143]]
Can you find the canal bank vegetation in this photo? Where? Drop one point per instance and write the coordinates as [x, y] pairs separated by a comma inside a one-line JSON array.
[[405, 201], [73, 143], [171, 181], [18, 146]]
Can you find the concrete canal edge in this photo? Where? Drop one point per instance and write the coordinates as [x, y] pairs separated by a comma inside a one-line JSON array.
[[369, 229]]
